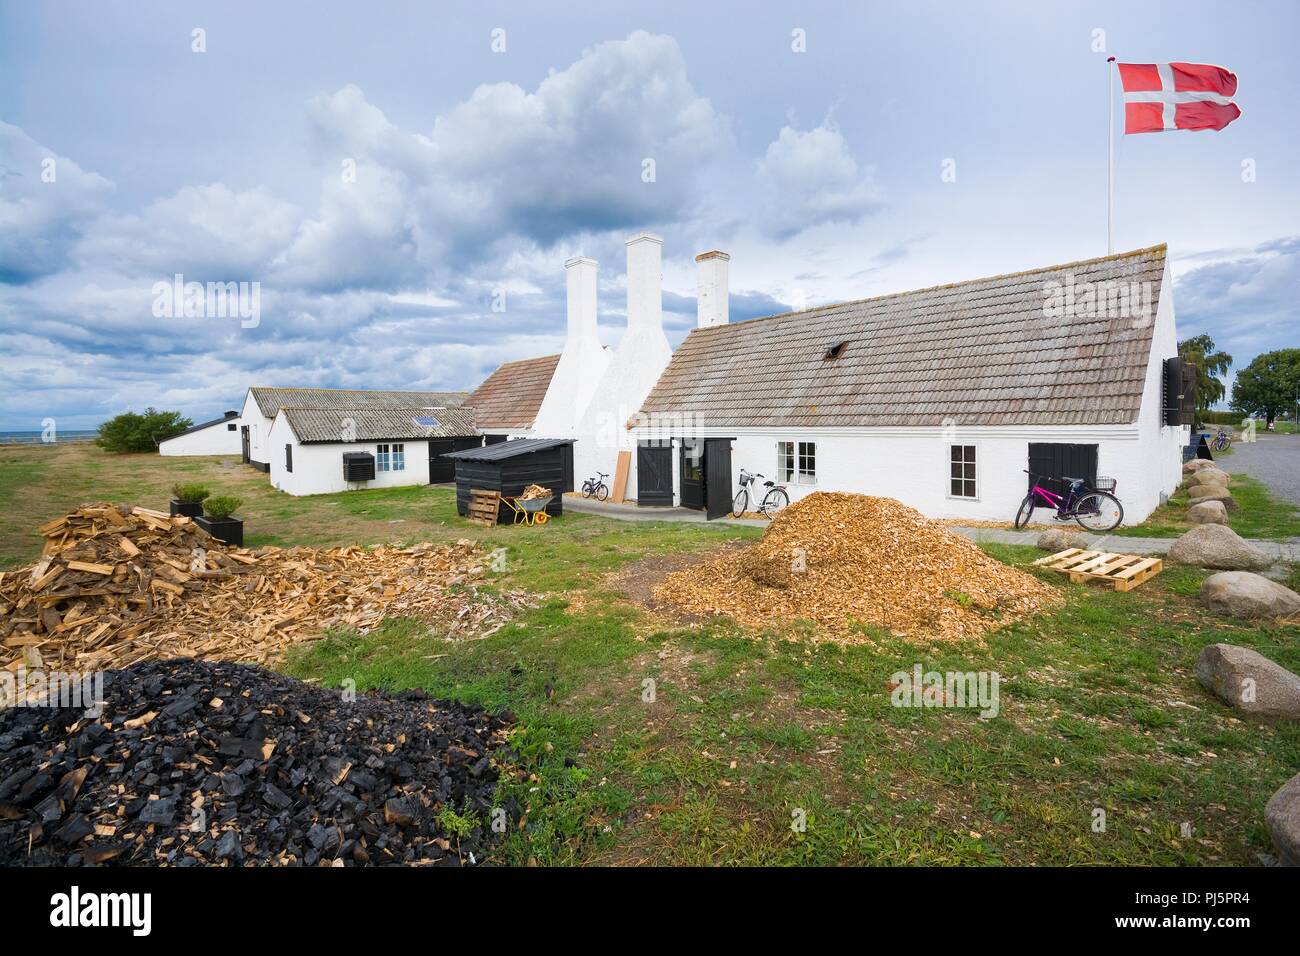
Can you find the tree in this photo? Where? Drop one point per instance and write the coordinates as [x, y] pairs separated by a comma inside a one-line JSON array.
[[1210, 363], [140, 433], [1268, 385]]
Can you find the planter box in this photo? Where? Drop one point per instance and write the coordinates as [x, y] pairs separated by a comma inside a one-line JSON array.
[[229, 530], [190, 509]]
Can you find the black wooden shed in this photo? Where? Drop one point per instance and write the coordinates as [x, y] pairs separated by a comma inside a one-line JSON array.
[[511, 466]]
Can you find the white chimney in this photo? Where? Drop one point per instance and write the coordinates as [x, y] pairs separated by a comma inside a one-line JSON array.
[[712, 298], [645, 279], [580, 284]]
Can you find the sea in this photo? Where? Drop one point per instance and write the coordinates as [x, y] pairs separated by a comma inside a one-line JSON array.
[[34, 438]]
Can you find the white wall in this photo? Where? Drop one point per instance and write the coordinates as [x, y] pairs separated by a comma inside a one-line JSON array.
[[259, 429], [1162, 444], [214, 440], [318, 469], [912, 464]]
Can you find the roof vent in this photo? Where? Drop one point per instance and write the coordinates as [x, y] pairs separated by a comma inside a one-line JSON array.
[[836, 350]]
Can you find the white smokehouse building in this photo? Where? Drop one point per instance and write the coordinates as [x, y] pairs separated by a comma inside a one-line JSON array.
[[940, 398], [217, 437]]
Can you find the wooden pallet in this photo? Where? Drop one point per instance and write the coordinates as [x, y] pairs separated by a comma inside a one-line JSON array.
[[484, 506], [1123, 572]]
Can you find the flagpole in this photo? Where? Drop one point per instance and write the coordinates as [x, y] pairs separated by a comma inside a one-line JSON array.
[[1110, 166]]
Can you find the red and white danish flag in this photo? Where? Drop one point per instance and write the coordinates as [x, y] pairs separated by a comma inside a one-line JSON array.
[[1165, 96]]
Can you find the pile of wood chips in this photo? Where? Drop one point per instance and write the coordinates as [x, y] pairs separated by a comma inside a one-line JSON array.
[[533, 492], [843, 561], [115, 586]]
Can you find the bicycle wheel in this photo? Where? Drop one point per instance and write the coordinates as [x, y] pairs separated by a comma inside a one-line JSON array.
[[1026, 511], [774, 501], [1098, 511], [740, 504], [602, 491], [586, 489]]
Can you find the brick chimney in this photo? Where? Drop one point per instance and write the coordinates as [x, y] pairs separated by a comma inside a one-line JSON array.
[[712, 297]]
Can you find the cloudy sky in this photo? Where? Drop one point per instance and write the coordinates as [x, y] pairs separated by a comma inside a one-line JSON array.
[[388, 172]]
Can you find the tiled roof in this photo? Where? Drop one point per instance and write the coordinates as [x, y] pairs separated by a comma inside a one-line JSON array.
[[511, 396], [983, 352], [378, 424], [271, 400]]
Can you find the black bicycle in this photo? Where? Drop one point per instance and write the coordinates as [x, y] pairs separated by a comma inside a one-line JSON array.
[[1092, 504], [774, 499], [596, 487]]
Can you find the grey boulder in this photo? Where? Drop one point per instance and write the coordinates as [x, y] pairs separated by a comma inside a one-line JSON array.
[[1249, 681], [1208, 512], [1196, 464], [1282, 816], [1243, 594], [1218, 546], [1058, 539]]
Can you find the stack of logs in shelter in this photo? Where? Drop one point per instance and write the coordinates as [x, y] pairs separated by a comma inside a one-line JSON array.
[[117, 585]]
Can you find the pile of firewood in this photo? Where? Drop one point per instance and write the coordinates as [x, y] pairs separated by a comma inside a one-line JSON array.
[[849, 563], [116, 586], [198, 763], [533, 492]]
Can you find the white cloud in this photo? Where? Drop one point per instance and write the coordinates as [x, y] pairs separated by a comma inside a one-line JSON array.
[[810, 178], [40, 219]]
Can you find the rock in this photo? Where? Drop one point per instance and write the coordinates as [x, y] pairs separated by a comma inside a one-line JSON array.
[[1243, 594], [1058, 539], [1218, 546], [1249, 681], [1208, 511], [1196, 464], [1208, 476], [1282, 816], [1212, 491]]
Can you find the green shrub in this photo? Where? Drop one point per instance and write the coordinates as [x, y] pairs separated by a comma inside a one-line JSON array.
[[130, 432], [221, 507], [189, 493]]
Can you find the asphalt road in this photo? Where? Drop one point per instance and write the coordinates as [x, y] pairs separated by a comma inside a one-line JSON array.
[[1273, 459]]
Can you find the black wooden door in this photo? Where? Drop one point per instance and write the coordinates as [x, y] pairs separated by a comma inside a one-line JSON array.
[[441, 469], [1054, 461], [566, 465], [654, 475], [717, 477], [243, 437], [692, 473]]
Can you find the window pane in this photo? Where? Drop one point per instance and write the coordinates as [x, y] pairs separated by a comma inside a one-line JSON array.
[[956, 488], [970, 471], [970, 489], [970, 452], [955, 469], [956, 453]]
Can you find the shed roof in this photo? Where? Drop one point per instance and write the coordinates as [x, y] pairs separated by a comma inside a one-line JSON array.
[[508, 449], [317, 425], [229, 416], [270, 400], [983, 352], [511, 396]]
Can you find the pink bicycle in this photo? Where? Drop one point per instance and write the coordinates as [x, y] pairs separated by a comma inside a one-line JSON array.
[[1092, 505]]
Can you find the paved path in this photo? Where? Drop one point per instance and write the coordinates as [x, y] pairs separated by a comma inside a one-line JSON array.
[[1288, 550], [1285, 550], [1273, 459]]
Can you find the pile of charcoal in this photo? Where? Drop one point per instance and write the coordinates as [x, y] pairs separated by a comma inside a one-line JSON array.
[[193, 763]]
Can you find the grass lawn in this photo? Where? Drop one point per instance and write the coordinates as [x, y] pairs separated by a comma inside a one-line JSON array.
[[645, 741], [1260, 515]]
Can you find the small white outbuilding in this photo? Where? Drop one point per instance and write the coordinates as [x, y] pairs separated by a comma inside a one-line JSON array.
[[217, 437]]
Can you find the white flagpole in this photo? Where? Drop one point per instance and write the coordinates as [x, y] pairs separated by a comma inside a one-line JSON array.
[[1110, 167]]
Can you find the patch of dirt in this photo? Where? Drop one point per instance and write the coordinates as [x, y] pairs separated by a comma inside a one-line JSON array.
[[640, 579]]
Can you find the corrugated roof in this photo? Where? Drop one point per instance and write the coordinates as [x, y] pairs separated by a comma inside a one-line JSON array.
[[511, 396], [983, 352], [508, 449], [270, 400], [379, 424]]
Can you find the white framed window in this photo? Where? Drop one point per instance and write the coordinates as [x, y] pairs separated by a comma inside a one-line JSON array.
[[390, 458], [962, 470], [796, 462]]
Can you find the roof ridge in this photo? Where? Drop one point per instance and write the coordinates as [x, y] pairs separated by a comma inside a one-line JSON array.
[[943, 285]]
